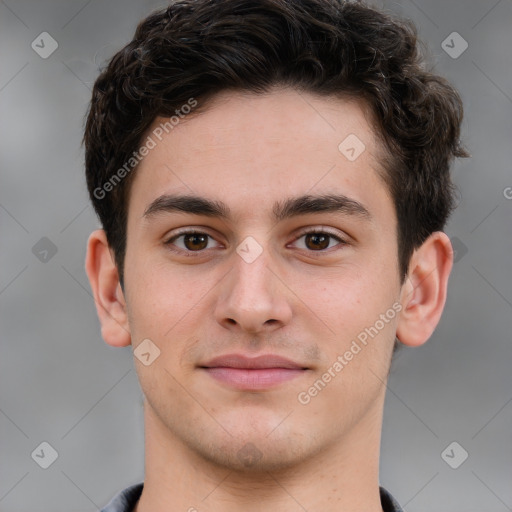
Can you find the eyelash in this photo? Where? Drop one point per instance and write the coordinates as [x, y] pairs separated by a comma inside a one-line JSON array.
[[170, 242]]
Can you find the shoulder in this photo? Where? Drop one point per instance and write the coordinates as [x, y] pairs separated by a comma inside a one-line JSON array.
[[125, 501], [389, 504], [127, 498]]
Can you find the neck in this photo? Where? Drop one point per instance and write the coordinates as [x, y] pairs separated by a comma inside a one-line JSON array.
[[343, 477]]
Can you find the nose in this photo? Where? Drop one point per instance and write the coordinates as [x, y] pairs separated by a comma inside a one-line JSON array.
[[252, 297]]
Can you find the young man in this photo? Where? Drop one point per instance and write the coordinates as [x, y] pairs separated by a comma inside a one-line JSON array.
[[273, 179]]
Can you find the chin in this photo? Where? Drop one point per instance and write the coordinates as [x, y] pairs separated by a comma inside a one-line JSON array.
[[252, 457], [252, 450]]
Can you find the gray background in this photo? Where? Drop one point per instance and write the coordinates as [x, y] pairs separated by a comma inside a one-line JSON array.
[[59, 381]]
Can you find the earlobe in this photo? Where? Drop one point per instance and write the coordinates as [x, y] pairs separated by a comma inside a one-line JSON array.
[[424, 292], [108, 295]]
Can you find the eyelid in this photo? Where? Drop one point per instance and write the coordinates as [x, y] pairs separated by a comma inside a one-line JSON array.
[[320, 229], [324, 230], [187, 231]]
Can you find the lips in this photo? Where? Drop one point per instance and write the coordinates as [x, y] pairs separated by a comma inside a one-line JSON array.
[[252, 373], [260, 362]]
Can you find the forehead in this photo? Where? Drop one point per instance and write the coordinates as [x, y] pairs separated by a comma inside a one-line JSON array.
[[252, 151]]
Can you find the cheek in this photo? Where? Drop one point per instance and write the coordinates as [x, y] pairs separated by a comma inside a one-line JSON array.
[[167, 304], [350, 303], [350, 297], [156, 288]]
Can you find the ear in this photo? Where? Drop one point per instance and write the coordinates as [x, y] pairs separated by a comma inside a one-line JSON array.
[[106, 288], [423, 294]]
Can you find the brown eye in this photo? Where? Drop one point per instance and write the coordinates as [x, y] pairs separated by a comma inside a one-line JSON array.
[[195, 241], [317, 241], [191, 242]]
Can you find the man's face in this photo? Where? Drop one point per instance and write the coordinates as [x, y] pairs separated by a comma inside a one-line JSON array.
[[256, 283]]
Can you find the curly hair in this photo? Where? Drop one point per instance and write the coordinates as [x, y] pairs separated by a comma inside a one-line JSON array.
[[198, 48]]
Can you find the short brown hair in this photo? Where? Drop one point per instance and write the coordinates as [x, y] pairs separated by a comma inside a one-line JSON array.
[[197, 48]]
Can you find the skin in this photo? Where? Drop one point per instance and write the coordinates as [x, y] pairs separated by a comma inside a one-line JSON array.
[[295, 300]]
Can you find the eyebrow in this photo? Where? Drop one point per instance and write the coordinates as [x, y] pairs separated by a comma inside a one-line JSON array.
[[291, 207]]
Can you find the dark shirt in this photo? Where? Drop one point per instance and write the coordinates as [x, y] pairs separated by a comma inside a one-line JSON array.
[[125, 501]]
